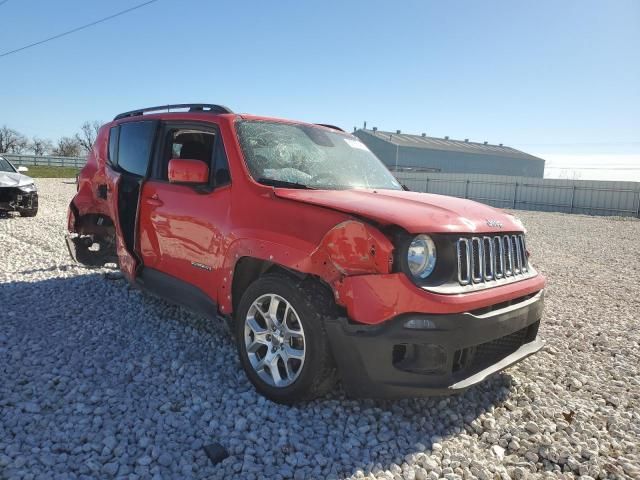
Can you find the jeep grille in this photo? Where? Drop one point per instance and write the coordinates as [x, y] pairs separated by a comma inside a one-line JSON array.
[[482, 260]]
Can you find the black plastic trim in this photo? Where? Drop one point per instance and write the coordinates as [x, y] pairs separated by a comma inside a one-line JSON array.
[[364, 354], [176, 291], [193, 107]]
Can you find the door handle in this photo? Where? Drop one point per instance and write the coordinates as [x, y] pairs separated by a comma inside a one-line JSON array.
[[154, 200]]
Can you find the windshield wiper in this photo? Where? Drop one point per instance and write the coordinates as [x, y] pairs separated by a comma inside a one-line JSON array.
[[283, 183]]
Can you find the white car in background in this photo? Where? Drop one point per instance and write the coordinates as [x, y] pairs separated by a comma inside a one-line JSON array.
[[18, 192]]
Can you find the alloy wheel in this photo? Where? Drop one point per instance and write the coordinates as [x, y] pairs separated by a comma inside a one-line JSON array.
[[274, 340]]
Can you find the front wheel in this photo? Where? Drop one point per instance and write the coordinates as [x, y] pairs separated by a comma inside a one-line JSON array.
[[29, 212], [281, 339]]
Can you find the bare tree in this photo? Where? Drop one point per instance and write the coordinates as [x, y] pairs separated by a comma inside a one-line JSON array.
[[40, 146], [87, 136], [68, 147], [12, 141]]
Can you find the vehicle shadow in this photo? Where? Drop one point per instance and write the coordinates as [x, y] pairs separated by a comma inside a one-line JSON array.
[[54, 268], [73, 346]]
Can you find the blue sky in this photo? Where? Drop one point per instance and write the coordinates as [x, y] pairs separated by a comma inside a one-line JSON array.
[[552, 78]]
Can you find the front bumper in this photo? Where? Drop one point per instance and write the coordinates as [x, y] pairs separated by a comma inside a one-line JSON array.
[[448, 354], [13, 199]]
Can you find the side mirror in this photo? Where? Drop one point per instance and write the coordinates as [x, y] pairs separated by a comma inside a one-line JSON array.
[[22, 169], [182, 170]]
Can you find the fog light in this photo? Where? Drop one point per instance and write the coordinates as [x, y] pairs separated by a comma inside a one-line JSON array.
[[420, 324]]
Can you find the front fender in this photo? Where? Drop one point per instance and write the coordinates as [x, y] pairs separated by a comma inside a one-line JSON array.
[[277, 251], [349, 248]]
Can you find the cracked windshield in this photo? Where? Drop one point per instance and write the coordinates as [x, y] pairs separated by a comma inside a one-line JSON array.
[[302, 156]]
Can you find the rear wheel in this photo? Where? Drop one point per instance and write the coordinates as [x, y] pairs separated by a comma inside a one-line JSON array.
[[281, 338]]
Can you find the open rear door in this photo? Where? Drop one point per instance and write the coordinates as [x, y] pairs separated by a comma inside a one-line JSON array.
[[122, 198], [130, 149]]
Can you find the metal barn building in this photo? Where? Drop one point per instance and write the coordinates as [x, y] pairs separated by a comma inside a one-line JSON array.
[[420, 153]]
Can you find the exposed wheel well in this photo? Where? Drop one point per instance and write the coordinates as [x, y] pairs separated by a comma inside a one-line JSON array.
[[95, 224], [248, 269], [93, 244]]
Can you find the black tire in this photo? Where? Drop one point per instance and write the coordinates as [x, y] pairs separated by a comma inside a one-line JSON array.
[[32, 212], [313, 304]]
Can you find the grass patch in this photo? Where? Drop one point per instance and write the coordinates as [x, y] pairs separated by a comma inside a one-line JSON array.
[[43, 171]]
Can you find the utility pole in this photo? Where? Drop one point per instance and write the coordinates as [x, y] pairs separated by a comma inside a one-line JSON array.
[[397, 149]]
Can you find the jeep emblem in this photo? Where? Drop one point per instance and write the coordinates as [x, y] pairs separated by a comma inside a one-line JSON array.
[[494, 224]]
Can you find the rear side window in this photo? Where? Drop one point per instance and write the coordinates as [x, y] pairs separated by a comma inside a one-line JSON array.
[[113, 145], [134, 146]]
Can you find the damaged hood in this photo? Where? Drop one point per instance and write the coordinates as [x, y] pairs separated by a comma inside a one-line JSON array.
[[413, 211], [10, 179]]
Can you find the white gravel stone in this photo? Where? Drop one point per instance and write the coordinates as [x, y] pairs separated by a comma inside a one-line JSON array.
[[497, 451], [101, 381]]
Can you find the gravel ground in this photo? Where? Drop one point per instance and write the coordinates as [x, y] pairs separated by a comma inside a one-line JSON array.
[[100, 381]]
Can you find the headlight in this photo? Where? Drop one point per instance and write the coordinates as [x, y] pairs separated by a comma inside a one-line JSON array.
[[28, 188], [421, 256]]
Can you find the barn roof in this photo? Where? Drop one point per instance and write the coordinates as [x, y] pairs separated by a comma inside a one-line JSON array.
[[434, 143]]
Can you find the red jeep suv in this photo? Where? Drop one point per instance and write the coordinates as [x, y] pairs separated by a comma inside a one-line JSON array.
[[324, 266]]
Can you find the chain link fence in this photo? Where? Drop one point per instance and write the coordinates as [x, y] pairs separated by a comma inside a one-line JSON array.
[[49, 161], [588, 197], [524, 193]]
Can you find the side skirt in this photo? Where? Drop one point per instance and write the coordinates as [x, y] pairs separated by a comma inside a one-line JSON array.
[[176, 291]]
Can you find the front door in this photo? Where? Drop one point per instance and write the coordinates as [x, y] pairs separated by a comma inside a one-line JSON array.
[[183, 227]]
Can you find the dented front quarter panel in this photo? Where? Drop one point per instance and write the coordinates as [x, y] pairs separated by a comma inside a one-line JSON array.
[[356, 260], [355, 248], [349, 248]]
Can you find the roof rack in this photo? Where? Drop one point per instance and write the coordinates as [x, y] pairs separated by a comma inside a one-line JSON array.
[[193, 107], [332, 127]]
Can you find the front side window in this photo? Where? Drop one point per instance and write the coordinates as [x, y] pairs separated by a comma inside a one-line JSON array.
[[5, 166], [186, 144], [192, 145], [134, 146], [306, 156]]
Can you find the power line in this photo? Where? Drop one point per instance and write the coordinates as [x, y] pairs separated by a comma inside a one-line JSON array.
[[578, 167], [77, 29], [573, 144]]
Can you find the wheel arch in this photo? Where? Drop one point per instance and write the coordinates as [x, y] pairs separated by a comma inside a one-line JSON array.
[[248, 269], [87, 229], [349, 248]]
